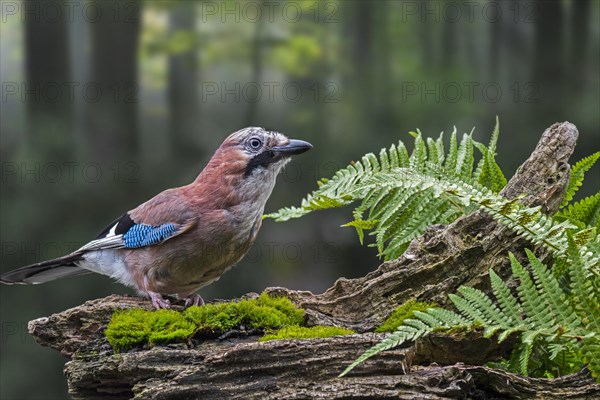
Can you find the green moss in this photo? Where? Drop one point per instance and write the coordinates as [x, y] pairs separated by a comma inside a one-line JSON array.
[[135, 327], [138, 327], [401, 313], [265, 312], [301, 332]]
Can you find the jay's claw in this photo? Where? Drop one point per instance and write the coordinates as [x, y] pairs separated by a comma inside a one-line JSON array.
[[158, 301], [194, 300]]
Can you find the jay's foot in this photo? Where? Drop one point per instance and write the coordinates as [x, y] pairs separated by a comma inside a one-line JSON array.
[[194, 300], [158, 301]]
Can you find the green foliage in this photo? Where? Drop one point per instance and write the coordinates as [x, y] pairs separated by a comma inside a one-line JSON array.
[[297, 55], [138, 327], [402, 313], [577, 174], [541, 314], [557, 329], [301, 332], [402, 195], [555, 314]]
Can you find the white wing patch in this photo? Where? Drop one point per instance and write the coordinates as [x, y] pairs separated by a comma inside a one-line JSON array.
[[112, 230]]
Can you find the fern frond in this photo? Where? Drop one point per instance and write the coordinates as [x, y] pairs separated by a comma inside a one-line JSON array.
[[524, 355], [493, 315], [400, 194], [532, 300], [451, 158], [435, 153], [585, 211], [542, 314], [360, 225], [465, 159], [448, 318], [488, 173], [586, 300], [577, 174], [402, 335], [508, 303], [553, 296], [584, 288], [412, 329], [419, 154]]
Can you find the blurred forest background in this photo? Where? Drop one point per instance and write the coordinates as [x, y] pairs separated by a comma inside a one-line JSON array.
[[106, 103]]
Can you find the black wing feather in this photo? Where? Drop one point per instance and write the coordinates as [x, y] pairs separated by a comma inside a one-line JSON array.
[[124, 223], [45, 271]]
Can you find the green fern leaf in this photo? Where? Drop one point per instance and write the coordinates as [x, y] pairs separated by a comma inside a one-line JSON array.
[[465, 159], [494, 138], [419, 154], [482, 302], [452, 157], [533, 304], [488, 173], [553, 296], [361, 225], [402, 335], [402, 157], [577, 174], [524, 356], [585, 236], [584, 288], [412, 329], [585, 211], [432, 150], [507, 302], [440, 149]]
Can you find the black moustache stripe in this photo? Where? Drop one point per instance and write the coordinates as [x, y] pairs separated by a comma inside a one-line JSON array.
[[261, 160]]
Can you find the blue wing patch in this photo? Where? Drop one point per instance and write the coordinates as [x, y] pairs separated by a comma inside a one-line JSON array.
[[140, 235]]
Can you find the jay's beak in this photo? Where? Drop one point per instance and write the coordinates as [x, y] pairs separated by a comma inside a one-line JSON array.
[[293, 147]]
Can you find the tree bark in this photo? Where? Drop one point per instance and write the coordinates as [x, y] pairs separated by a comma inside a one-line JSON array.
[[439, 366]]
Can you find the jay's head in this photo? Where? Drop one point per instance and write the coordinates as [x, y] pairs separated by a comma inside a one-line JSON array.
[[251, 158], [259, 151]]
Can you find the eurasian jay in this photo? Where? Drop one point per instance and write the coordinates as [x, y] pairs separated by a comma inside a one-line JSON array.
[[184, 238]]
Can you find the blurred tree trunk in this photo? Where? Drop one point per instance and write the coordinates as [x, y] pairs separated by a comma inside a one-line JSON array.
[[426, 47], [363, 47], [47, 93], [183, 81], [257, 67], [548, 64], [449, 45], [580, 23], [496, 35], [382, 90], [356, 20], [113, 92]]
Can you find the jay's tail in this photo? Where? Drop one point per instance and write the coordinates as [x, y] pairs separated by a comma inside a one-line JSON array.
[[45, 271]]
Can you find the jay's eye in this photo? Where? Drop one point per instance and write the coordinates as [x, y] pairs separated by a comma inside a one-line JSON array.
[[255, 143]]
